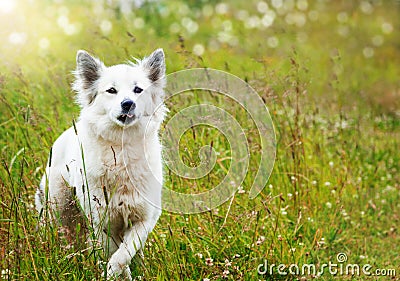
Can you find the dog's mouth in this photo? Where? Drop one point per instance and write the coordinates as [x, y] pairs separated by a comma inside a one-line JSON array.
[[126, 118]]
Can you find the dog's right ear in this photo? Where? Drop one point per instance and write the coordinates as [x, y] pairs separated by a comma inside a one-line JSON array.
[[88, 71], [155, 66]]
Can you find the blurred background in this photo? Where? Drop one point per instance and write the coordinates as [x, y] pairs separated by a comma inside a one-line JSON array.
[[354, 42], [327, 70]]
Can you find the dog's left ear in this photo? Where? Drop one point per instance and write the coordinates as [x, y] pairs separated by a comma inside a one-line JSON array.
[[88, 68], [88, 71], [155, 65]]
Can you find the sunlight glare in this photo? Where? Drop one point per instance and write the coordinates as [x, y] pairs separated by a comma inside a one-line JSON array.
[[7, 6]]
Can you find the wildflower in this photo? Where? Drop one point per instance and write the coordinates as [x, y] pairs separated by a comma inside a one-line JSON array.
[[227, 26], [225, 273], [17, 38], [297, 18], [366, 7], [242, 15], [209, 261], [273, 42], [268, 19], [368, 52], [227, 263], [252, 22], [260, 240], [4, 273], [200, 255], [106, 26], [342, 17], [277, 4], [302, 5], [221, 8], [190, 25], [387, 28], [328, 205], [44, 43], [262, 7]]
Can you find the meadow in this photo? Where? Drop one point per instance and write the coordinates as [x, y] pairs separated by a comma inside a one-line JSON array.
[[328, 72]]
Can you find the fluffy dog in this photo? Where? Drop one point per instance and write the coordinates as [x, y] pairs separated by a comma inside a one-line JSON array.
[[107, 169]]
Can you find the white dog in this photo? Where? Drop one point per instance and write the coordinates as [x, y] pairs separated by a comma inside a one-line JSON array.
[[108, 166]]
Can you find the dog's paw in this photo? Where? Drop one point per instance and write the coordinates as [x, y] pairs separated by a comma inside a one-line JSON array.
[[116, 271]]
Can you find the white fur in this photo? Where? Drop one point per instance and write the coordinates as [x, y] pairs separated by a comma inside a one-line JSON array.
[[114, 168]]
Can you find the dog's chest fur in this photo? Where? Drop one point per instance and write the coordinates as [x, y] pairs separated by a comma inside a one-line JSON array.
[[122, 173]]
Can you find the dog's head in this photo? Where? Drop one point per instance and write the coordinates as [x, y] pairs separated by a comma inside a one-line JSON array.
[[122, 94]]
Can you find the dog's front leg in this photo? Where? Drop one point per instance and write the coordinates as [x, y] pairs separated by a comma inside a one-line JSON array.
[[133, 240]]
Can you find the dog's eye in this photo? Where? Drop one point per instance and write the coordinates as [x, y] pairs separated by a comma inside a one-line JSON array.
[[112, 90], [137, 90]]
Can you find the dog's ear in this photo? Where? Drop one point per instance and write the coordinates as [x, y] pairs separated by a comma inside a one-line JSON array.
[[155, 65], [88, 68], [88, 71]]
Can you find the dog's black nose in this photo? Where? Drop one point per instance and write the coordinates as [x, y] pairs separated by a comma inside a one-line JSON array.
[[128, 105]]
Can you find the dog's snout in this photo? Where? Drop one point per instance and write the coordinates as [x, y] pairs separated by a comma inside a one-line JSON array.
[[128, 104]]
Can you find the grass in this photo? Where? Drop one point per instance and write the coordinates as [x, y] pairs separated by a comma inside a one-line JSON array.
[[330, 83]]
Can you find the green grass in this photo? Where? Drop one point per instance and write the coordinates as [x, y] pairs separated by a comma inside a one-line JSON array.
[[334, 100]]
